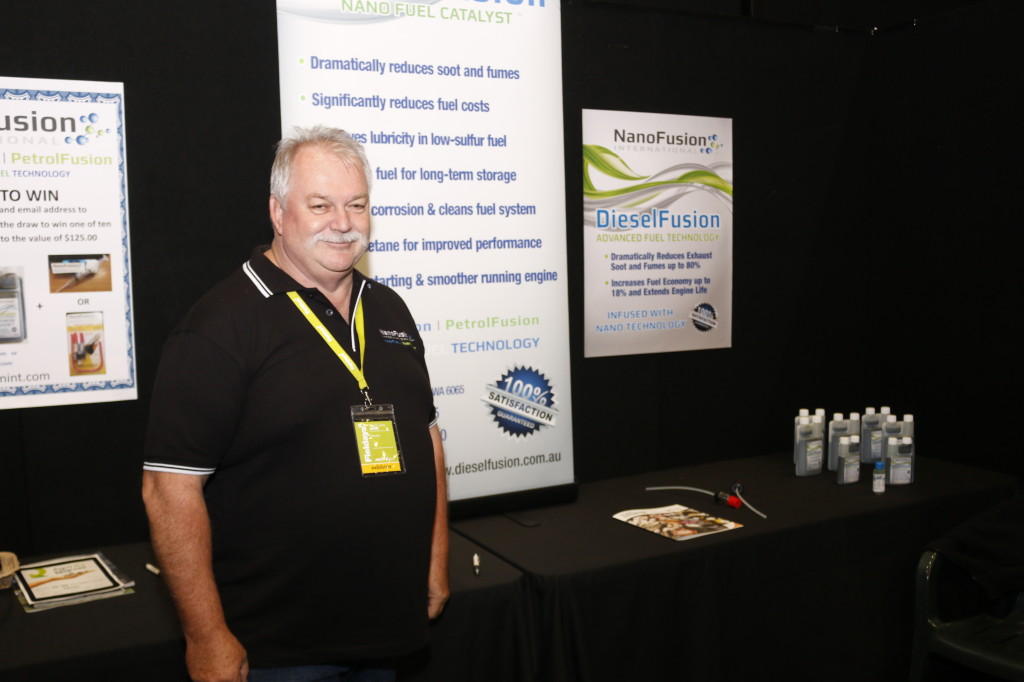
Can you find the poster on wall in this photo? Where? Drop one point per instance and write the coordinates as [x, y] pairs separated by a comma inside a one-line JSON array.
[[66, 331], [657, 232], [459, 106]]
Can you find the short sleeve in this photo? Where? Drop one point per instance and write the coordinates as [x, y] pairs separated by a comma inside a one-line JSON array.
[[196, 402]]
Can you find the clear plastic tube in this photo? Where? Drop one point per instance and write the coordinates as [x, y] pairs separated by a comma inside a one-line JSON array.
[[680, 487], [735, 492], [747, 504]]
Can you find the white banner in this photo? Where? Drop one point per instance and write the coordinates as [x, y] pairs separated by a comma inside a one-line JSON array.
[[66, 332], [657, 232], [458, 103]]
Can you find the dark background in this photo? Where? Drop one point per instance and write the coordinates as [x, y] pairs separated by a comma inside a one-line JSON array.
[[876, 165]]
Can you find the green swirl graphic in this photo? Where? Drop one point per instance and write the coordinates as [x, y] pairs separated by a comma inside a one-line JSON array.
[[608, 162], [649, 192]]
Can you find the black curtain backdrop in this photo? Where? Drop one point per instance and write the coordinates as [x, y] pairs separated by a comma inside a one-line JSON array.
[[875, 247]]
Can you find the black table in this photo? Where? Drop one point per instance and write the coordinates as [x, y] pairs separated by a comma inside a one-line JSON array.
[[820, 590], [122, 639], [487, 629], [136, 637]]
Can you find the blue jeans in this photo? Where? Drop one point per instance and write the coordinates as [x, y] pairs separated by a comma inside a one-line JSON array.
[[324, 673]]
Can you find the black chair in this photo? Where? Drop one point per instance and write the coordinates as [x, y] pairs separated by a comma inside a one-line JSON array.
[[990, 644]]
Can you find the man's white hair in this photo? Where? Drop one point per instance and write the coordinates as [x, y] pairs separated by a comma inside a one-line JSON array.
[[334, 140]]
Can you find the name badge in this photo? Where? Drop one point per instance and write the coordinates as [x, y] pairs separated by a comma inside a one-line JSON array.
[[377, 440]]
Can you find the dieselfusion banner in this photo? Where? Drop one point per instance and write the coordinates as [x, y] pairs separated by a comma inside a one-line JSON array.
[[657, 232], [66, 332], [459, 105]]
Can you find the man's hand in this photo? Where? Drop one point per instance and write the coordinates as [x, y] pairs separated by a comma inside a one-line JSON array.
[[218, 658]]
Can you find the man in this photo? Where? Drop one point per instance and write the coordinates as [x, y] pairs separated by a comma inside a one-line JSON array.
[[294, 473]]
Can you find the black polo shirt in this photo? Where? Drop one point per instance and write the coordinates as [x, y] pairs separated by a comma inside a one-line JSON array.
[[315, 562]]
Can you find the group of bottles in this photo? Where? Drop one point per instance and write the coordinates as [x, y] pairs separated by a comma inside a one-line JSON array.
[[876, 438]]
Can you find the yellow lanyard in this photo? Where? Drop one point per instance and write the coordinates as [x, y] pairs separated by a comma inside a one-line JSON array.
[[335, 346]]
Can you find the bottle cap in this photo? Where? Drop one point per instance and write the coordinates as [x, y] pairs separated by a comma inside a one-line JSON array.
[[890, 418], [893, 440], [908, 417], [907, 440], [837, 416], [885, 410], [855, 416], [854, 439], [869, 410], [805, 420], [879, 465], [844, 440], [804, 412]]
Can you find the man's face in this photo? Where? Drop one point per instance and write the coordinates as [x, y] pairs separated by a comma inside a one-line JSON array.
[[324, 229]]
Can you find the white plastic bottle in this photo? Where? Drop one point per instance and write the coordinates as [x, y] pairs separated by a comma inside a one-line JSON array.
[[847, 462], [908, 425], [871, 436], [837, 428], [899, 461], [855, 448], [854, 424], [891, 428], [808, 448], [803, 412]]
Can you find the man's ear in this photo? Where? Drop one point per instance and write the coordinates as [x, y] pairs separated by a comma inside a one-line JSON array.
[[276, 214]]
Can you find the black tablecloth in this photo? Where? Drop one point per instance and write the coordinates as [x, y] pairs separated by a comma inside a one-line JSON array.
[[127, 638], [485, 633], [820, 590]]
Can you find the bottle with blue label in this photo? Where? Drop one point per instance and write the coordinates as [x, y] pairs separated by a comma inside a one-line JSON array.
[[878, 478], [899, 461], [847, 461], [808, 449]]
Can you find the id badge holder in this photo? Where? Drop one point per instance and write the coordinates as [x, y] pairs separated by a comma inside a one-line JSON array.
[[377, 440]]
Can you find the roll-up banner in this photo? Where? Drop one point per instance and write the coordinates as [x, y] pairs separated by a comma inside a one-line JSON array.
[[66, 331], [459, 105], [657, 235]]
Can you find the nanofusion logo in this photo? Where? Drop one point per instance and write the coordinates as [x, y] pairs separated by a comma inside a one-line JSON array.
[[705, 144]]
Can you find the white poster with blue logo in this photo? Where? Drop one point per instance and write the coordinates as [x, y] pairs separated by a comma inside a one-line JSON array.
[[459, 105], [657, 232], [66, 330]]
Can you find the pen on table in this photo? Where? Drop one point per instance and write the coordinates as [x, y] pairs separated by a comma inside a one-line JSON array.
[[152, 569], [476, 564]]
